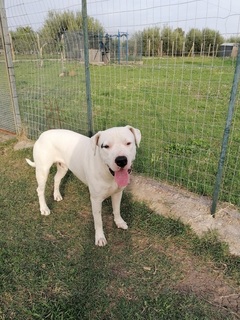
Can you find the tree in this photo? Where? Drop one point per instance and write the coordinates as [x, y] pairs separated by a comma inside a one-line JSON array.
[[24, 40], [56, 24], [205, 41], [178, 39], [193, 37], [211, 39], [233, 39], [167, 40], [135, 44], [151, 41]]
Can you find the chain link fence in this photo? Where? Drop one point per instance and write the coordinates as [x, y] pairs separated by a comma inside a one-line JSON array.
[[7, 122]]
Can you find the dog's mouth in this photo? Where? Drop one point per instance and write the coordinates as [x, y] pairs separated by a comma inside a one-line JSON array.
[[121, 176]]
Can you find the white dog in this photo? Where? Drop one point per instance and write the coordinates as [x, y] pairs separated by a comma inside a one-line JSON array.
[[102, 162]]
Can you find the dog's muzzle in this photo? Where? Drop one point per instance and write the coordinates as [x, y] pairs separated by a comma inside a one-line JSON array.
[[113, 173]]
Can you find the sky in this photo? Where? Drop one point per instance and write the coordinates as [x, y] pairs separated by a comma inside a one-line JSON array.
[[134, 15]]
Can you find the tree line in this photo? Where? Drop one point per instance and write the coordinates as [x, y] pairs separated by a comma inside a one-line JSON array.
[[49, 38], [151, 41], [158, 42]]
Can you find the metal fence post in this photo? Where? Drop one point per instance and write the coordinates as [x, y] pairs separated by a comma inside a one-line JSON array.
[[87, 71], [10, 67], [226, 134]]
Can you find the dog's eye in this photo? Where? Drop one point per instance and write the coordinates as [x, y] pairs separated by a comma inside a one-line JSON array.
[[106, 146], [128, 143]]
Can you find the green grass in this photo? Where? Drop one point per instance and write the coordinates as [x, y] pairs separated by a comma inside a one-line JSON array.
[[49, 101], [51, 269], [179, 104]]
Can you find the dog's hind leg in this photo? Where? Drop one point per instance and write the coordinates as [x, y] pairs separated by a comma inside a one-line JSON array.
[[61, 171], [41, 176]]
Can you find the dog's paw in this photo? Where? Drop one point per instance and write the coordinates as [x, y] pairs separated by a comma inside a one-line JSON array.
[[100, 242], [45, 211], [57, 196], [121, 224]]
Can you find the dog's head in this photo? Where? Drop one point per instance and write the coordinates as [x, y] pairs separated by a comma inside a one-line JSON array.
[[117, 149]]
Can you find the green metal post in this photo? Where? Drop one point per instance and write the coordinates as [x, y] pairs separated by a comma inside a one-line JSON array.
[[119, 51], [87, 70], [226, 134]]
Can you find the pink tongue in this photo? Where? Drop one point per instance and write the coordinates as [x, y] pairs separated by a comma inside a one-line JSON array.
[[122, 177]]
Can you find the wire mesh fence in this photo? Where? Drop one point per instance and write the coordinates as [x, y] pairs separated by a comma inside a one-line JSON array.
[[6, 119], [166, 68]]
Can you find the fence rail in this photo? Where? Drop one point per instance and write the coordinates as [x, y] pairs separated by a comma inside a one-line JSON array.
[[173, 84]]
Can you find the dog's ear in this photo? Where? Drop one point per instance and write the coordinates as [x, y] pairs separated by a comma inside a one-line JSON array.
[[136, 133], [94, 141]]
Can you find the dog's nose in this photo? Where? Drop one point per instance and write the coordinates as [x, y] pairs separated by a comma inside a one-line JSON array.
[[121, 161]]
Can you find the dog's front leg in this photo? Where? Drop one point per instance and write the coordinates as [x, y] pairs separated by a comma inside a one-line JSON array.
[[100, 239], [116, 201]]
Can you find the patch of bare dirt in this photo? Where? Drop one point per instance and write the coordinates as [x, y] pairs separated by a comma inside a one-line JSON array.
[[209, 284], [190, 208], [204, 280], [22, 144], [5, 136]]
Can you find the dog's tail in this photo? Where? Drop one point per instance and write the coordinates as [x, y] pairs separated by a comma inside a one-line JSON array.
[[31, 163]]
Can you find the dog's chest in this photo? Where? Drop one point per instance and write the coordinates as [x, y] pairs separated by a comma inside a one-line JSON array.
[[104, 190]]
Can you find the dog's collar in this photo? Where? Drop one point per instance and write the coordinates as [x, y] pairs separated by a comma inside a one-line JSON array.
[[113, 173]]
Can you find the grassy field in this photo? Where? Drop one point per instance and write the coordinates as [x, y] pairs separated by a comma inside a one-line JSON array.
[[179, 104], [51, 269]]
